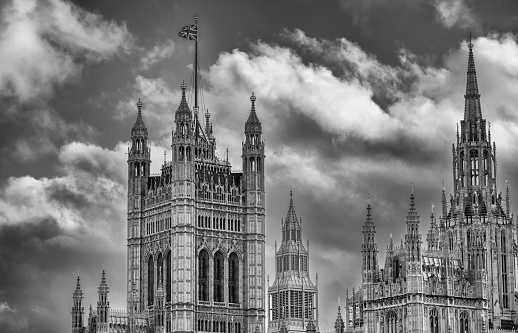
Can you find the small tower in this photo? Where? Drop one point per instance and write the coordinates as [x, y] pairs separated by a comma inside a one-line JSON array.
[[413, 238], [78, 309], [369, 250], [432, 238], [292, 278], [253, 156], [139, 162], [103, 306], [339, 322], [254, 202]]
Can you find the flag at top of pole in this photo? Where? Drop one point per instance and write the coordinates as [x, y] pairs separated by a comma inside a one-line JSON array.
[[189, 32]]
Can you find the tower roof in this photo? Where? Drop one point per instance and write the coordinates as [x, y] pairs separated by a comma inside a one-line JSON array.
[[253, 125], [292, 216], [103, 287], [78, 293], [139, 128], [183, 112], [472, 108]]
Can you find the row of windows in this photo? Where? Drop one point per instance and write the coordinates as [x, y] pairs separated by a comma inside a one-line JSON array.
[[218, 326], [185, 153], [158, 225], [295, 308], [217, 280], [155, 276], [219, 223], [293, 234], [292, 262], [474, 164]]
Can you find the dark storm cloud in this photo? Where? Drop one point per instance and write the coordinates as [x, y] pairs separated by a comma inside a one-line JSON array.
[[37, 263]]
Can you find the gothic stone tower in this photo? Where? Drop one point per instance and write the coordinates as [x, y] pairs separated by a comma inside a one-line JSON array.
[[196, 231], [293, 297], [478, 222], [78, 309]]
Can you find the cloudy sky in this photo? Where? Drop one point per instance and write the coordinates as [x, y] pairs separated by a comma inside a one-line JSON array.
[[355, 97]]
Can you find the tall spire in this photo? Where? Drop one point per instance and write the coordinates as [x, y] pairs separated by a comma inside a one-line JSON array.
[[139, 128], [472, 110], [253, 125], [291, 223]]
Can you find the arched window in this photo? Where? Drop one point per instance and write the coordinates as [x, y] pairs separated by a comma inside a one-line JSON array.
[[391, 322], [182, 153], [189, 158], [474, 167], [258, 164], [219, 279], [168, 285], [434, 321], [233, 279], [252, 164], [150, 279], [203, 276], [464, 323]]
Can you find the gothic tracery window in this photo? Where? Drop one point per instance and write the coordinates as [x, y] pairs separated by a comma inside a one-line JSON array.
[[233, 279], [434, 321], [463, 322], [203, 275], [219, 279]]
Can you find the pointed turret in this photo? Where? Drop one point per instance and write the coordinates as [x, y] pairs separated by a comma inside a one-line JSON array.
[[413, 237], [253, 125], [369, 249], [78, 309], [432, 237], [139, 129], [443, 203], [103, 306], [183, 118], [339, 322], [292, 227], [472, 110], [253, 153]]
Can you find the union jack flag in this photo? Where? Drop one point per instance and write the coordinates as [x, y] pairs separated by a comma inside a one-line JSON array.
[[189, 32]]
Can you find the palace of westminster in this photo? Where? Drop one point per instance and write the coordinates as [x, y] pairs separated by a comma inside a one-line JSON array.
[[196, 246]]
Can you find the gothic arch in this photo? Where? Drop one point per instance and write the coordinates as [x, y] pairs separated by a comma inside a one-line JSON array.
[[434, 321], [203, 275], [168, 282], [219, 277], [233, 278], [464, 322], [150, 280], [391, 322]]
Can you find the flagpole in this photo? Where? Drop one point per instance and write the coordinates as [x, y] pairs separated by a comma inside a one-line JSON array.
[[196, 67], [196, 76]]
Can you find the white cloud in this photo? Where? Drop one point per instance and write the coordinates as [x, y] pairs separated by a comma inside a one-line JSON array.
[[4, 307], [452, 13], [43, 42], [157, 54]]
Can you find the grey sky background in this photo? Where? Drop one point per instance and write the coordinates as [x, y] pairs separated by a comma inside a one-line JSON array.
[[356, 97]]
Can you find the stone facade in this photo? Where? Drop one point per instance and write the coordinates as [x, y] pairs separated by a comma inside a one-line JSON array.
[[464, 281], [293, 298], [196, 236]]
